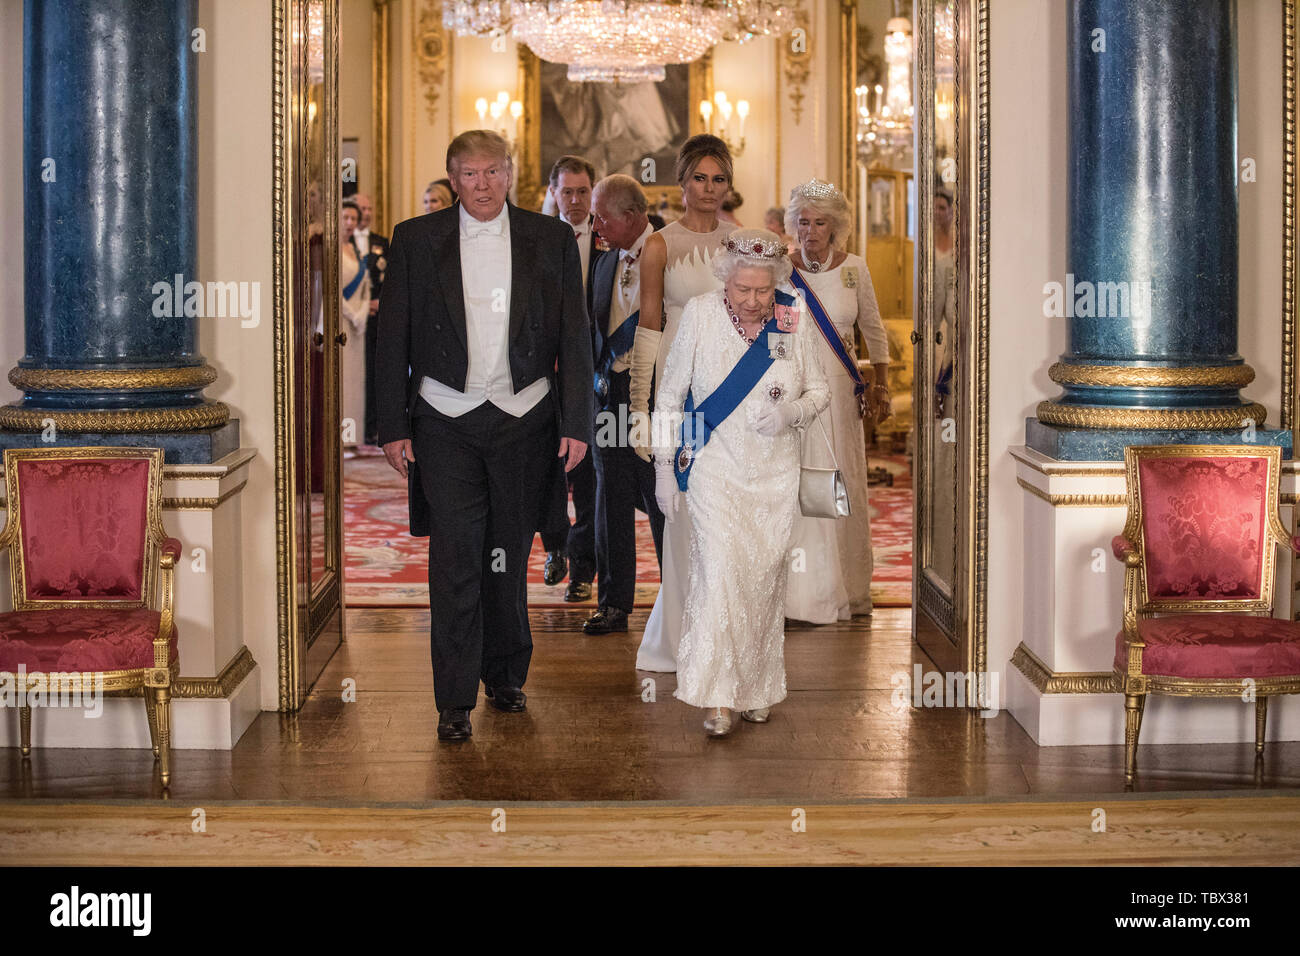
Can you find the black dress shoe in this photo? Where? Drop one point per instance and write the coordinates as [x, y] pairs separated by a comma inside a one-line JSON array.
[[453, 724], [577, 591], [509, 699], [605, 621], [557, 566]]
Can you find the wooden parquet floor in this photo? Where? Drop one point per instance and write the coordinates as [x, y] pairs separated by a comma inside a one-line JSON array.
[[588, 735]]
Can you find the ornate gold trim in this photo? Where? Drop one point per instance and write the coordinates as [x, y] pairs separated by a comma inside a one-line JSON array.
[[1227, 376], [1192, 687], [848, 117], [430, 47], [379, 127], [284, 166], [201, 504], [796, 67], [1049, 681], [1078, 416], [1074, 501], [210, 688], [28, 379], [1289, 397], [207, 415]]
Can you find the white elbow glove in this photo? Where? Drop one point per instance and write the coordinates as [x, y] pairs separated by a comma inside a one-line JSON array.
[[666, 491], [777, 418], [645, 349]]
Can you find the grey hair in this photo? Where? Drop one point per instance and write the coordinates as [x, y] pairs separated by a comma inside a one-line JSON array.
[[623, 192], [834, 209]]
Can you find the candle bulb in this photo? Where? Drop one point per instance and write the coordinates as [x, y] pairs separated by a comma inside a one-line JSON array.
[[742, 110], [480, 107]]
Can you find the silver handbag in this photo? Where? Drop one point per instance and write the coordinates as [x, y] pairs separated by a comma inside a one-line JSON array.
[[822, 493]]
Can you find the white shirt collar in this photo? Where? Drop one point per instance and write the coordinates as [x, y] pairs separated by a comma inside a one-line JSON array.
[[639, 244], [502, 217]]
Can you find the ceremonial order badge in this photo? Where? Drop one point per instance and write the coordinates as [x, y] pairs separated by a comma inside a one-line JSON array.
[[787, 318], [776, 393], [779, 345], [850, 277], [684, 456]]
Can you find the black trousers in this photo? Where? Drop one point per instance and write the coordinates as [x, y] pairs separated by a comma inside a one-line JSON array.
[[372, 408], [578, 541], [624, 483], [485, 476]]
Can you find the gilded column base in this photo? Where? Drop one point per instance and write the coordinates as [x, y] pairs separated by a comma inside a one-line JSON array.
[[1060, 433], [190, 435]]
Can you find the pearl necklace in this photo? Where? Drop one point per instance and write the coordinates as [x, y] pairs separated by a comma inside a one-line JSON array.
[[813, 265], [735, 321]]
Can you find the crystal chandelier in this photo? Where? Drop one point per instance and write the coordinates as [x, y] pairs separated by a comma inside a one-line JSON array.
[[885, 126], [623, 40], [626, 41]]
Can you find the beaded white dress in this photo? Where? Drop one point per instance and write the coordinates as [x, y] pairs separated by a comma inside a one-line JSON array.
[[742, 499], [688, 272]]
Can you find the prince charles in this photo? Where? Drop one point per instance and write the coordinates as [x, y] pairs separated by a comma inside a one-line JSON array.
[[484, 382]]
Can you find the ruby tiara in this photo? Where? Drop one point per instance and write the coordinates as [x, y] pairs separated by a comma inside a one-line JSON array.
[[815, 189], [756, 246]]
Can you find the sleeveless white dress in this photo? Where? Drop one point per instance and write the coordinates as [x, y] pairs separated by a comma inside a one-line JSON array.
[[742, 500], [688, 272], [830, 558]]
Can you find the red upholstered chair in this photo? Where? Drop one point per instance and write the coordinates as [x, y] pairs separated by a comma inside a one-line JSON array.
[[93, 577], [1199, 549]]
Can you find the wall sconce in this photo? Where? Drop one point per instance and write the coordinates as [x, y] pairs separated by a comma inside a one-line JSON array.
[[498, 109], [724, 110]]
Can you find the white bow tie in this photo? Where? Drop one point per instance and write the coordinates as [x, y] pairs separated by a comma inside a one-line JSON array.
[[475, 229]]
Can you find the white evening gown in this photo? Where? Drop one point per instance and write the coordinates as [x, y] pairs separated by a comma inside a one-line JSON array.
[[831, 565], [688, 272], [742, 500], [353, 317]]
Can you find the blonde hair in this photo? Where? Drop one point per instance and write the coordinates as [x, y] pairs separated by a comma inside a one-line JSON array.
[[477, 142]]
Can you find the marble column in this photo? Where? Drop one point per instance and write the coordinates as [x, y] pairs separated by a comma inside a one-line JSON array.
[[1150, 295], [109, 186]]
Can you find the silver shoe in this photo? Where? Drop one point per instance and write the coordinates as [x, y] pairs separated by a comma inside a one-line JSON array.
[[718, 723], [759, 716]]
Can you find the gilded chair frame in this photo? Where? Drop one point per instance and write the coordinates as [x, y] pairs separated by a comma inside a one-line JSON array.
[[1138, 603], [157, 592]]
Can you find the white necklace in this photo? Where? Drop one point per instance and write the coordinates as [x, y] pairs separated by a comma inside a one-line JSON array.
[[815, 266]]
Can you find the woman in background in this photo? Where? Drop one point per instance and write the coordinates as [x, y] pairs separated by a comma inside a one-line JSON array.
[[438, 195], [354, 282], [830, 578]]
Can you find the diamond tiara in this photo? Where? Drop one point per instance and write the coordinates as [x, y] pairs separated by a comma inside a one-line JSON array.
[[816, 189], [754, 245]]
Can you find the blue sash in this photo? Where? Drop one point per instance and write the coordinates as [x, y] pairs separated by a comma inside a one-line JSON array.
[[827, 329], [713, 411], [351, 287], [616, 344]]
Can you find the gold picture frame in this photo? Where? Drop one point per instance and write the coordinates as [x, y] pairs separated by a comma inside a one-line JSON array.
[[528, 171]]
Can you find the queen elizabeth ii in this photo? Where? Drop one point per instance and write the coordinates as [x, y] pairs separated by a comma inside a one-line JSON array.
[[741, 379]]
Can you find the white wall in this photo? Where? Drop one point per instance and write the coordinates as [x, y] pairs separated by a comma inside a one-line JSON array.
[[235, 242]]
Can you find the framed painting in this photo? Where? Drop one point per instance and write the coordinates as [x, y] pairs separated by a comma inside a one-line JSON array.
[[632, 128]]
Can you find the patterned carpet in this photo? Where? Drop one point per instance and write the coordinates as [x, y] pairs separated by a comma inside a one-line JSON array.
[[386, 567]]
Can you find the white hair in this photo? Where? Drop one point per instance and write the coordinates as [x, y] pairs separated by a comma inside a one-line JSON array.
[[834, 209], [728, 260]]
